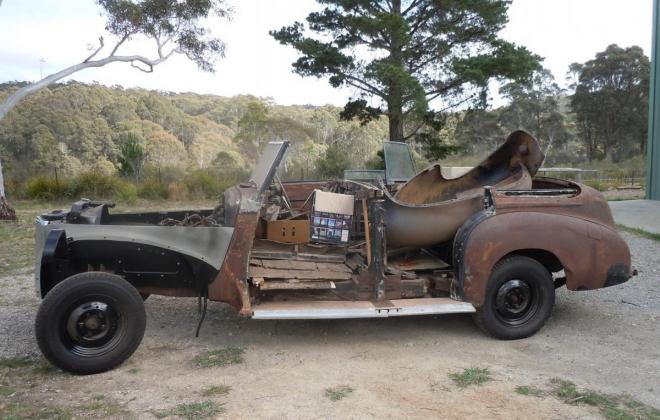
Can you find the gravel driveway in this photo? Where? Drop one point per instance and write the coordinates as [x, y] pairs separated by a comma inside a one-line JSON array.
[[606, 340]]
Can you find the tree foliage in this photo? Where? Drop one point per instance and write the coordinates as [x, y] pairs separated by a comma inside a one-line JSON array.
[[402, 56], [611, 102]]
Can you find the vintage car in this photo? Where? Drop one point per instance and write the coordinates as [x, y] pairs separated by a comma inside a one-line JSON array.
[[495, 242]]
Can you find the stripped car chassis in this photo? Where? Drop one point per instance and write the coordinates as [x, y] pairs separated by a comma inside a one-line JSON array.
[[494, 242]]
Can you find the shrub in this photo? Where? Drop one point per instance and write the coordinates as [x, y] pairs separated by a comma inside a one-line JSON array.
[[152, 189], [126, 194], [205, 184], [177, 191], [42, 188]]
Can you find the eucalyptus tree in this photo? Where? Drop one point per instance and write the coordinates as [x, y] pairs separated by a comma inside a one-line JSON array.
[[174, 27]]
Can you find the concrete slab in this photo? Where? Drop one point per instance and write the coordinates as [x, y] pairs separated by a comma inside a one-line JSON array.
[[640, 214]]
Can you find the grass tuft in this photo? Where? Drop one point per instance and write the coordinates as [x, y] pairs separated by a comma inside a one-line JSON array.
[[339, 392], [612, 407], [640, 232], [221, 357], [529, 391], [214, 390], [6, 390], [471, 376], [192, 411], [101, 407], [15, 362]]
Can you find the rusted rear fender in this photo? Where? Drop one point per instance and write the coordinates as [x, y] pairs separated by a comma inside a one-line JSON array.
[[592, 255]]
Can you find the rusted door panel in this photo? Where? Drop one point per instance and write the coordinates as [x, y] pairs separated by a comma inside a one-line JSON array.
[[587, 250]]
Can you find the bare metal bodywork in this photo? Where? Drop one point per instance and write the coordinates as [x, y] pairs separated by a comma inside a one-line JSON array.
[[429, 208]]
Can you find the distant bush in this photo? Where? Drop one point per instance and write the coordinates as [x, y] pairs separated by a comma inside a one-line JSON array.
[[205, 184], [42, 188], [87, 185], [152, 189], [178, 191], [197, 184]]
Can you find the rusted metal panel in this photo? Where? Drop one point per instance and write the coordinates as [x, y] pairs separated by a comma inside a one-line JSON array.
[[429, 209], [230, 285], [586, 249]]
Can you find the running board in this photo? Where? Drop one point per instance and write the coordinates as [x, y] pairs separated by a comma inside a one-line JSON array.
[[330, 309]]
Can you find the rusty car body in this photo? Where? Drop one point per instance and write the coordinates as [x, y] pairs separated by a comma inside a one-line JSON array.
[[495, 242]]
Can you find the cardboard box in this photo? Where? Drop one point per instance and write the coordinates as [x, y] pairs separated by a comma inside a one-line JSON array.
[[288, 231], [332, 217]]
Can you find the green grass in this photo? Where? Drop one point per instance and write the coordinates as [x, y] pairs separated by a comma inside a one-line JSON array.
[[612, 407], [6, 390], [134, 371], [192, 411], [15, 362], [215, 390], [471, 376], [529, 391], [624, 198], [101, 407], [222, 357], [15, 411], [338, 393], [640, 232]]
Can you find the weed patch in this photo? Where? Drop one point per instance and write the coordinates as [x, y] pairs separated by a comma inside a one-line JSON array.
[[196, 410], [471, 376], [6, 390], [22, 411], [101, 407], [640, 232], [215, 390], [15, 362], [338, 393], [221, 357], [529, 391], [612, 407]]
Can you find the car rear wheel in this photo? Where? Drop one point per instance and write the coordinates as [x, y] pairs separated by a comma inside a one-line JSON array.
[[90, 323], [519, 299]]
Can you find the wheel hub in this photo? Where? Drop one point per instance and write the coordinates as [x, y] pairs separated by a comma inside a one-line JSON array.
[[514, 299], [91, 324]]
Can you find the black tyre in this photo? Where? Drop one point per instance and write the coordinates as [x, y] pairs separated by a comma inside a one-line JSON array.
[[519, 298], [90, 323]]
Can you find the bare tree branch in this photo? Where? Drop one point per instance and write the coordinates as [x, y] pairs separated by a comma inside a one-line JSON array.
[[21, 93], [101, 45], [121, 41]]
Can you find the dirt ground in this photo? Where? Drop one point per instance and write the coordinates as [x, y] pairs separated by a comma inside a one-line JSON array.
[[606, 340]]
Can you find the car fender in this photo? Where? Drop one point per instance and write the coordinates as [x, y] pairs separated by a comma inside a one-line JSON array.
[[65, 249], [592, 255]]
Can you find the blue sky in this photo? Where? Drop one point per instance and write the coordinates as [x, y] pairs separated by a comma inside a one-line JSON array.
[[60, 33]]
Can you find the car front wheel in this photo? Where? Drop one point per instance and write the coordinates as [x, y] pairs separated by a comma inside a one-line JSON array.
[[519, 299], [90, 323]]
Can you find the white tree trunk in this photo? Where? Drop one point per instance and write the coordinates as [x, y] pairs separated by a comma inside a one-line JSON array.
[[2, 183]]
